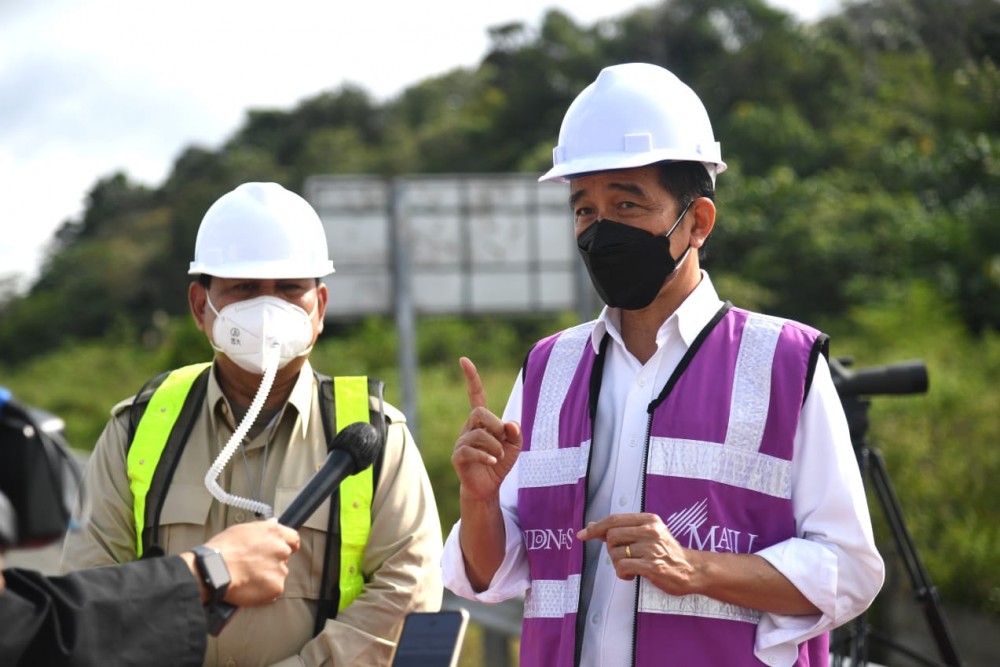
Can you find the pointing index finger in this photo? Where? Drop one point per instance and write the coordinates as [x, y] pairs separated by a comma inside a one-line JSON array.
[[599, 529], [473, 384]]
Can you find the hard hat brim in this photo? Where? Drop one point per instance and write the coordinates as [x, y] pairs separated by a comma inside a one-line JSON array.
[[262, 270], [563, 172]]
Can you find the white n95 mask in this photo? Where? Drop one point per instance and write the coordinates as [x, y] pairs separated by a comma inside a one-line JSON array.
[[251, 331]]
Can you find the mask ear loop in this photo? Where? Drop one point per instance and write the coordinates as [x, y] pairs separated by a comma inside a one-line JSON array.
[[271, 357], [211, 338], [684, 255], [678, 220]]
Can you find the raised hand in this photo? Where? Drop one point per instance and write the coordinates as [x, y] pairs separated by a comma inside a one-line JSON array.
[[487, 446]]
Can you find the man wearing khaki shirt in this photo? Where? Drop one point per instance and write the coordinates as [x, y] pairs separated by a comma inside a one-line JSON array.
[[254, 440]]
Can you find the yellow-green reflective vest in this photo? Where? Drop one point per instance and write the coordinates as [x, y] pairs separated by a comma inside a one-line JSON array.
[[160, 418]]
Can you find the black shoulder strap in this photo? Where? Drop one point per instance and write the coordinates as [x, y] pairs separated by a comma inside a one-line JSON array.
[[169, 458], [689, 355], [820, 347], [596, 378], [330, 590], [139, 404]]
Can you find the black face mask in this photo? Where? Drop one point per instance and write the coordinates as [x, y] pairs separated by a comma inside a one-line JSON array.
[[627, 265]]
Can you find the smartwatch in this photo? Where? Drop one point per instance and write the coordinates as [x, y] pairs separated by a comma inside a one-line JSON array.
[[213, 571]]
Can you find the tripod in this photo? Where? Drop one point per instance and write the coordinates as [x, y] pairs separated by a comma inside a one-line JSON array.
[[909, 377]]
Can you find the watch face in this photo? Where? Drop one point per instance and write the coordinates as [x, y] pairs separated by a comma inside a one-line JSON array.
[[215, 570]]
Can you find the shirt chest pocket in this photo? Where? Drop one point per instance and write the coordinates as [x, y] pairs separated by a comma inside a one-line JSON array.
[[184, 523], [184, 516], [305, 568]]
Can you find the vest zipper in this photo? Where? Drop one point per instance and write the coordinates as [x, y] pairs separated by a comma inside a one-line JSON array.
[[578, 644], [642, 508], [596, 377]]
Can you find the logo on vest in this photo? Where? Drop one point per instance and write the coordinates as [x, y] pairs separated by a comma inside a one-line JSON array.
[[691, 522], [548, 539]]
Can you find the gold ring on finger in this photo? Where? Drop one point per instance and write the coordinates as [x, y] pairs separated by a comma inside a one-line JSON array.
[[628, 551]]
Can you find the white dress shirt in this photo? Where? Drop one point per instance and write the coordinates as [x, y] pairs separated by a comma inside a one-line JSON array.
[[832, 561]]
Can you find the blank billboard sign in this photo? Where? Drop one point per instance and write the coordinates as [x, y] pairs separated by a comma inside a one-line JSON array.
[[467, 244]]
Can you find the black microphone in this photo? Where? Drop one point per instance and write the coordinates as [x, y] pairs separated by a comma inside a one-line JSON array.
[[352, 450]]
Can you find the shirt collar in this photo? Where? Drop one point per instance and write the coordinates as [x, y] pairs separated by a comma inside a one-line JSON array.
[[300, 398], [688, 320]]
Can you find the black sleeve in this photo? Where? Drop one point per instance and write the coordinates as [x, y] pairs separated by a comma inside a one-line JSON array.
[[115, 615]]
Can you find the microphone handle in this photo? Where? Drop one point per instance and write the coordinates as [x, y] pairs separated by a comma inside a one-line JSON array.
[[337, 467]]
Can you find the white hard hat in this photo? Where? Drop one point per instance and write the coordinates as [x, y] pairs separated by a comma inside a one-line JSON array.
[[634, 115], [261, 230]]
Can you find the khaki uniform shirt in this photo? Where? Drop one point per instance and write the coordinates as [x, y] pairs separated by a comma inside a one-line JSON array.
[[401, 562]]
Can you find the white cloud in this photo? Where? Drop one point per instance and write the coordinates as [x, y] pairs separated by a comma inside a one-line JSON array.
[[95, 86]]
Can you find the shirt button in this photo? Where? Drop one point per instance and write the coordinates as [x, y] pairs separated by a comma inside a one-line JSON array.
[[240, 517], [230, 663], [622, 501], [642, 380], [632, 442], [595, 619]]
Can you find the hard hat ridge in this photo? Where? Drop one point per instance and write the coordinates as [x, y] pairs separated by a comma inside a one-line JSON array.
[[632, 115], [261, 230]]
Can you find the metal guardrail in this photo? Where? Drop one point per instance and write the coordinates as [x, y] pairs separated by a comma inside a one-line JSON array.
[[500, 622]]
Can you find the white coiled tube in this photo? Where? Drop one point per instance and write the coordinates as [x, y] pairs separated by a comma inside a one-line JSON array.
[[271, 357]]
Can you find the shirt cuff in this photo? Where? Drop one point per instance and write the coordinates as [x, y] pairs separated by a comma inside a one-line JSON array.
[[510, 580], [812, 569]]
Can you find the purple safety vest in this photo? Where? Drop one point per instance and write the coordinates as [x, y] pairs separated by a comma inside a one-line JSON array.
[[717, 471]]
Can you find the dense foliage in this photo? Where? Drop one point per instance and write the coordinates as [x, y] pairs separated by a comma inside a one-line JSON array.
[[864, 152], [861, 196]]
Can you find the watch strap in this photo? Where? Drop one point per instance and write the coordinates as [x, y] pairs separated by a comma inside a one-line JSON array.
[[218, 614], [215, 585]]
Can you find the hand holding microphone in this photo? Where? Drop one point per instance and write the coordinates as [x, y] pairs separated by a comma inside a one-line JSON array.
[[352, 450]]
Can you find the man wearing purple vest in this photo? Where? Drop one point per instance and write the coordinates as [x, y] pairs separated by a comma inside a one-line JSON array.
[[672, 483]]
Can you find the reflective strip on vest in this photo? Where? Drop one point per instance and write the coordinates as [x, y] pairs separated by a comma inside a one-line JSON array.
[[351, 405], [151, 435], [718, 473], [350, 398]]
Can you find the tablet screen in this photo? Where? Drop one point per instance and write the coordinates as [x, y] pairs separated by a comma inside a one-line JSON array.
[[431, 639]]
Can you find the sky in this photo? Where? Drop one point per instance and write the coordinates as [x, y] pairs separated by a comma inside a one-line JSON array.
[[92, 87]]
